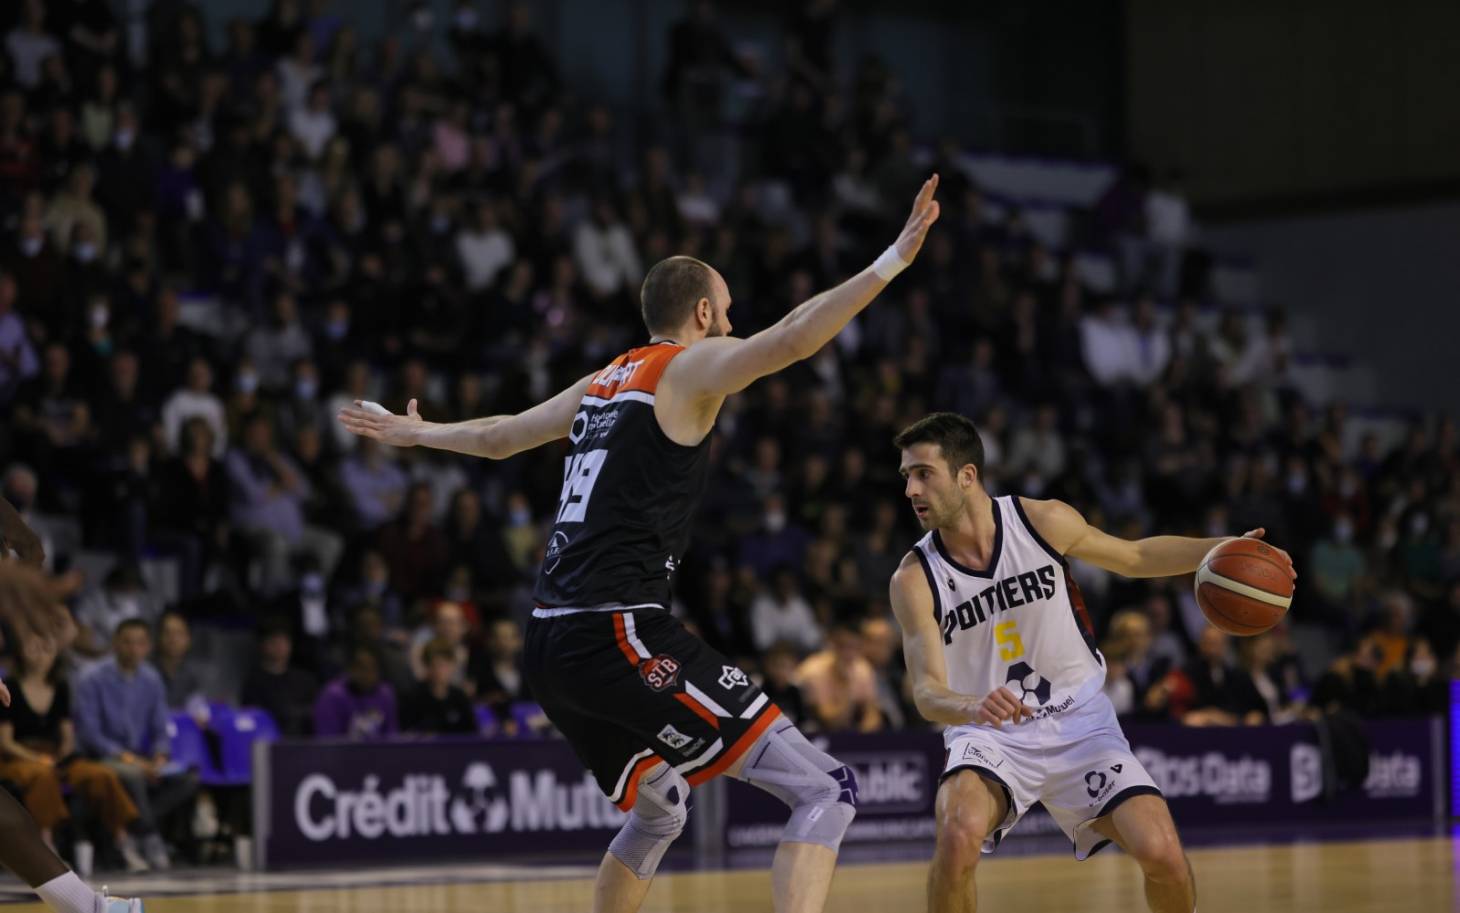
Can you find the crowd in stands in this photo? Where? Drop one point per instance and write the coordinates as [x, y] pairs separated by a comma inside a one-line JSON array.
[[208, 250]]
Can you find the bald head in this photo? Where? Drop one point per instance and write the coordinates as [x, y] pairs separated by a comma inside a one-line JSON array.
[[673, 290]]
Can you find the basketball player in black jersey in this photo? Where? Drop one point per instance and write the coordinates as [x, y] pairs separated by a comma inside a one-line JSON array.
[[650, 709]]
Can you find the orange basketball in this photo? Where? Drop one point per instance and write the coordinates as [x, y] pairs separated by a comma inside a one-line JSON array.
[[1243, 587]]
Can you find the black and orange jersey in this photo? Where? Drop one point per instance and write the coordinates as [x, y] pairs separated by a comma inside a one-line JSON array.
[[629, 494]]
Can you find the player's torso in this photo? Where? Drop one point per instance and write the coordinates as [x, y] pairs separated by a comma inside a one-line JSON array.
[[628, 496], [1019, 624]]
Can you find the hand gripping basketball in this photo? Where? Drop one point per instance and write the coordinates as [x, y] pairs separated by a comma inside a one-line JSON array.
[[1244, 586]]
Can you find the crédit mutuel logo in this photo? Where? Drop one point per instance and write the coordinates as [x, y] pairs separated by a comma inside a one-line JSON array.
[[429, 805]]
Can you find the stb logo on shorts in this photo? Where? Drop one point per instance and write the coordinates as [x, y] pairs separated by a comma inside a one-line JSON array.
[[660, 672], [673, 738], [732, 678]]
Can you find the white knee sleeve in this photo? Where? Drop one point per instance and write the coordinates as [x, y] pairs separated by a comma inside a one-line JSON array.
[[658, 816], [821, 791]]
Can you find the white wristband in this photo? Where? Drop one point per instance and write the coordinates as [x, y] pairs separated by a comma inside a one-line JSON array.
[[888, 264], [376, 408]]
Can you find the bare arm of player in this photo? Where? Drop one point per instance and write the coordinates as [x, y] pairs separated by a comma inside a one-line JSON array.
[[495, 437], [19, 536], [720, 366], [922, 647], [1067, 532]]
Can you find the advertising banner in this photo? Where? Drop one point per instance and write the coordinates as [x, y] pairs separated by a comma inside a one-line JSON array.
[[1212, 777], [330, 802]]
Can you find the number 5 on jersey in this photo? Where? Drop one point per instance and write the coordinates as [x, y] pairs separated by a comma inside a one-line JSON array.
[[579, 477], [1007, 634]]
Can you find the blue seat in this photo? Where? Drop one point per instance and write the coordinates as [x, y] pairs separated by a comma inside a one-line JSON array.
[[238, 728], [190, 748]]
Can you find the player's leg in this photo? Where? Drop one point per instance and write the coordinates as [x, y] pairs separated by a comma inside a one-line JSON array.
[[657, 816], [1142, 826], [23, 852], [822, 795], [969, 808]]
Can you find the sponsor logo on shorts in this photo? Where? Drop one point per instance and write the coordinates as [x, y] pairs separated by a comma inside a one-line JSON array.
[[673, 737], [732, 678], [1099, 785], [972, 752], [660, 672]]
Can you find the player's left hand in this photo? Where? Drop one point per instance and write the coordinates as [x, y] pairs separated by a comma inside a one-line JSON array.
[[1262, 531], [924, 214], [397, 430]]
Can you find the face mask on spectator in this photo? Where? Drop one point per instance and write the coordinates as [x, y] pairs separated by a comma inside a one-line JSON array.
[[246, 382], [458, 594], [423, 19], [85, 252], [31, 246], [124, 139], [1297, 482], [775, 522], [1422, 668], [1419, 524], [99, 316], [336, 329], [1343, 532], [1387, 538], [466, 18], [1347, 487], [128, 605], [306, 388], [519, 517]]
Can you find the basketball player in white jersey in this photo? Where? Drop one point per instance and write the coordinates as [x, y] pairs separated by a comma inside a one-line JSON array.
[[999, 647]]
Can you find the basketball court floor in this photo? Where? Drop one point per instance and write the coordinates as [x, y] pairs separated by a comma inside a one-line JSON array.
[[1414, 875]]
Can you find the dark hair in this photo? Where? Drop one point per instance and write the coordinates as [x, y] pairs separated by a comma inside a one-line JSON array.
[[133, 623], [956, 437], [672, 288]]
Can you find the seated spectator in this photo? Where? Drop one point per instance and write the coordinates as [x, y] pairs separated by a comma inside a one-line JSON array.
[[1392, 635], [277, 686], [184, 676], [882, 649], [268, 506], [1259, 694], [783, 614], [414, 547], [197, 399], [1419, 687], [121, 719], [1133, 670], [839, 684], [437, 705], [778, 667], [358, 705], [375, 485], [448, 625], [122, 597], [1167, 645], [1215, 692], [497, 673], [190, 517], [1336, 572], [38, 752], [1351, 682]]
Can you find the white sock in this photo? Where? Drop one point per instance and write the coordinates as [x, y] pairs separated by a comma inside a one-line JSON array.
[[68, 894]]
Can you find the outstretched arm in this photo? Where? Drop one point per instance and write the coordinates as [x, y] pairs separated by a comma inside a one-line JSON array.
[[1067, 532], [724, 365], [495, 437], [922, 647]]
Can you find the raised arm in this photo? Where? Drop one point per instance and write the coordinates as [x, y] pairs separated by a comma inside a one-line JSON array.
[[1067, 532], [495, 437], [720, 366], [922, 647]]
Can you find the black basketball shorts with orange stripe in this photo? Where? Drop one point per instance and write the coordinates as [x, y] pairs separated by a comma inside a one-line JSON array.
[[630, 688]]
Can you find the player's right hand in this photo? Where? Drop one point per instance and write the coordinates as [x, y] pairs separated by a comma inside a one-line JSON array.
[[397, 430], [1001, 706], [924, 214]]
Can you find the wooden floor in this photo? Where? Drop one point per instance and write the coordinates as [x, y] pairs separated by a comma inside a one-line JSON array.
[[1413, 876]]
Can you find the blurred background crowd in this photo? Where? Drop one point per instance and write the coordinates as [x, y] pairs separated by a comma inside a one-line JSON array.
[[209, 247]]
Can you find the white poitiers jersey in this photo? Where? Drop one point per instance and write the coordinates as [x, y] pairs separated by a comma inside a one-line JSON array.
[[1021, 623]]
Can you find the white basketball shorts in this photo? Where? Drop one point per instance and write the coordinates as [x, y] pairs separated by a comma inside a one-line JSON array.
[[1077, 763]]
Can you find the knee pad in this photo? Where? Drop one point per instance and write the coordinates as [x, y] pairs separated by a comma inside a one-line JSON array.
[[658, 816], [821, 791]]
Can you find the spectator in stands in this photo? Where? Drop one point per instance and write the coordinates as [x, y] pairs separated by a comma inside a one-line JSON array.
[[184, 675], [268, 498], [1350, 682], [121, 719], [881, 646], [375, 485], [195, 400], [497, 672], [414, 547], [1392, 636], [18, 361], [38, 752], [1133, 667], [782, 614], [1110, 345], [1259, 696], [1441, 625], [474, 541], [1038, 448], [449, 625], [275, 347], [839, 684], [1216, 700], [358, 705], [391, 647], [1337, 572], [438, 706], [29, 44], [485, 249], [123, 597], [276, 685], [778, 667], [1418, 688], [605, 253]]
